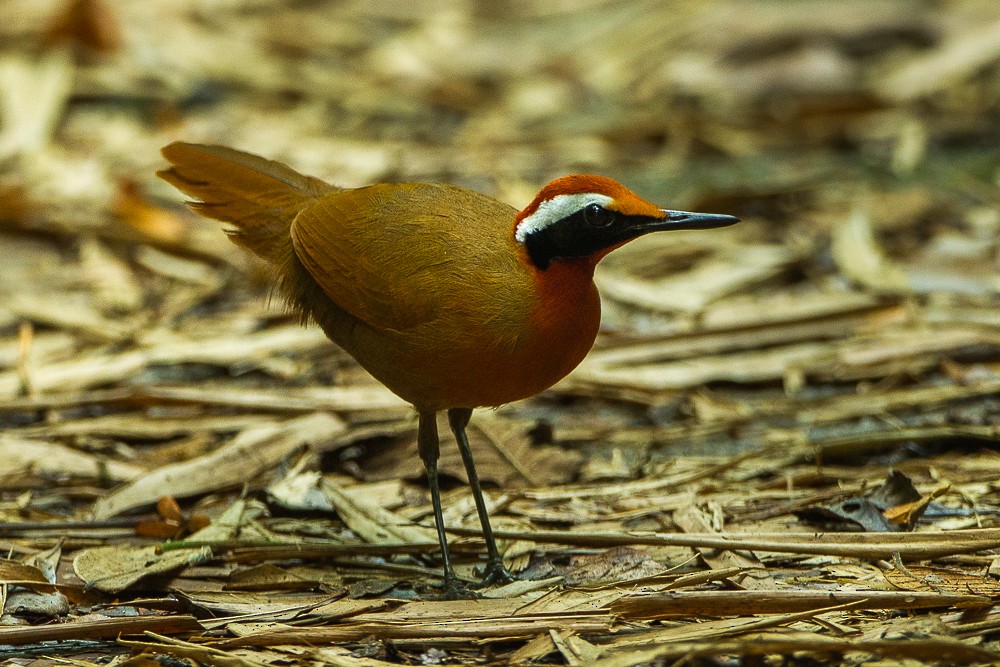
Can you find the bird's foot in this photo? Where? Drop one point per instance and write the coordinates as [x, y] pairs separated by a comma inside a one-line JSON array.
[[456, 589], [496, 574]]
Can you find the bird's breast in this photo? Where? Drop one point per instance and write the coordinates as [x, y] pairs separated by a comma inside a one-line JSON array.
[[565, 319], [545, 335]]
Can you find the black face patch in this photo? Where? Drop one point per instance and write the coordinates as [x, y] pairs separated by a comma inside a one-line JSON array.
[[589, 230]]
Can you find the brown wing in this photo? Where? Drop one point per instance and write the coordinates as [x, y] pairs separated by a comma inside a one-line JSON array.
[[395, 255]]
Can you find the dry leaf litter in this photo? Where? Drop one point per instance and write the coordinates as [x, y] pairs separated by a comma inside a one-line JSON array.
[[782, 447]]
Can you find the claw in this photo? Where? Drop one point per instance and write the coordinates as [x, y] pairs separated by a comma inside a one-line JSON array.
[[496, 574], [455, 589]]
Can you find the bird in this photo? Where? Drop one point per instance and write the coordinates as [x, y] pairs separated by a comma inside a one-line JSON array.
[[450, 298]]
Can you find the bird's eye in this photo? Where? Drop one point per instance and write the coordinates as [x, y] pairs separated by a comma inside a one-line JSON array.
[[596, 215]]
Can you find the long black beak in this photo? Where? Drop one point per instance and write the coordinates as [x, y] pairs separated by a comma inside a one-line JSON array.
[[687, 220]]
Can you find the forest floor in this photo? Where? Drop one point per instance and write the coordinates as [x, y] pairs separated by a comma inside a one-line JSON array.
[[784, 443]]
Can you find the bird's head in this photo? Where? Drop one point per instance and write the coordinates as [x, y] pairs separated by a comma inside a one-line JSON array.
[[585, 216]]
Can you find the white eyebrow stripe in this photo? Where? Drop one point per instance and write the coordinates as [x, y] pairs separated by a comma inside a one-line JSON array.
[[555, 209]]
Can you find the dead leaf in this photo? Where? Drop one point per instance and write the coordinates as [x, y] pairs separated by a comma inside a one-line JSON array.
[[369, 521], [255, 450], [20, 574], [89, 23], [112, 569], [616, 564], [942, 580], [20, 458], [35, 93]]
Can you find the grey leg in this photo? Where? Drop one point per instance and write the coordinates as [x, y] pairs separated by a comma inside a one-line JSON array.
[[496, 572], [428, 446]]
